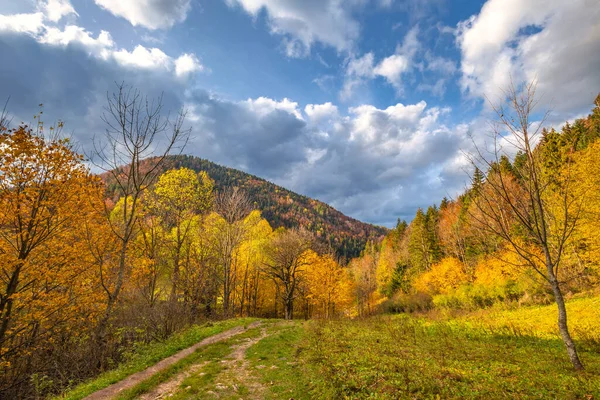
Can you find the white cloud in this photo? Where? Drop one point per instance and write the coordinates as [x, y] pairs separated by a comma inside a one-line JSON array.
[[303, 23], [378, 126], [100, 46], [392, 68], [263, 106], [187, 64], [54, 10], [555, 41], [152, 14], [440, 64], [318, 113], [142, 57], [22, 23]]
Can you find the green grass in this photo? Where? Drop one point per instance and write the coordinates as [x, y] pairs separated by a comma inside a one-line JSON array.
[[402, 357], [275, 360], [489, 354], [540, 321], [152, 353]]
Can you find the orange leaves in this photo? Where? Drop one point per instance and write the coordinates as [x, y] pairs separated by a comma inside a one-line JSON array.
[[46, 198]]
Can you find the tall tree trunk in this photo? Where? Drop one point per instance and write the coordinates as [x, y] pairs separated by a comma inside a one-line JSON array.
[[178, 244], [562, 324]]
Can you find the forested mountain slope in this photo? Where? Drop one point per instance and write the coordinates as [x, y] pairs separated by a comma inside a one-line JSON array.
[[284, 208]]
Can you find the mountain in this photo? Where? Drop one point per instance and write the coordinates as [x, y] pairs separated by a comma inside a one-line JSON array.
[[284, 208]]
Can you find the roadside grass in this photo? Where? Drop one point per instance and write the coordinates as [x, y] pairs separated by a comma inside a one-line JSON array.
[[404, 357], [276, 361], [487, 354], [199, 383], [149, 354], [540, 321]]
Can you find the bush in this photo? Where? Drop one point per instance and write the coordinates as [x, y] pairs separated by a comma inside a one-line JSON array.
[[408, 303], [473, 296]]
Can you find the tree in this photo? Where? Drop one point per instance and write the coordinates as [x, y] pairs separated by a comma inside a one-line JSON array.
[[286, 259], [135, 128], [229, 232], [328, 284], [364, 274], [535, 213], [46, 194], [421, 241], [178, 196]]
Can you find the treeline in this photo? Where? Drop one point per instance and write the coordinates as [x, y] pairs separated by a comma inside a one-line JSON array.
[[86, 275], [461, 255], [283, 208]]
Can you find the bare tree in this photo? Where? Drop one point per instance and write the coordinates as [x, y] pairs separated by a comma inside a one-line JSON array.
[[233, 205], [136, 128], [534, 212], [285, 261]]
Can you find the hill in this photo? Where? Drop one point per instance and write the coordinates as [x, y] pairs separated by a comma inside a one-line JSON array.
[[284, 208]]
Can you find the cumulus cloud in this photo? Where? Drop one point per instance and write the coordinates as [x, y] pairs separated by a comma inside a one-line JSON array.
[[99, 46], [379, 164], [142, 57], [151, 14], [102, 46], [374, 164], [55, 10], [392, 68], [187, 64], [22, 23], [318, 113], [302, 23], [556, 42], [362, 69]]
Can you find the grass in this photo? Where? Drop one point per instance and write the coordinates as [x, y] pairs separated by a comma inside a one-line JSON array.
[[150, 354], [489, 354], [540, 321], [403, 357], [276, 361]]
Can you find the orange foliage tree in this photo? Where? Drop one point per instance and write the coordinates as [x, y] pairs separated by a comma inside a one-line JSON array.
[[46, 197]]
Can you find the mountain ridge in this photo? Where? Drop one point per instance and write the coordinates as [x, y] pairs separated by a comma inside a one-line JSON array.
[[285, 208]]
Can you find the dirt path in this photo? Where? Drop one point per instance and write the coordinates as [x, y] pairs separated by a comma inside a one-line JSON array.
[[132, 380], [237, 376], [166, 388], [234, 380]]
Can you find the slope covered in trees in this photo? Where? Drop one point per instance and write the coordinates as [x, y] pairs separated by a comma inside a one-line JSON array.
[[284, 208], [524, 225], [90, 271]]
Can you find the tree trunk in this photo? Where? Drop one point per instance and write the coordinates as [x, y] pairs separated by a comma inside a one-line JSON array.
[[563, 327], [6, 301], [289, 307]]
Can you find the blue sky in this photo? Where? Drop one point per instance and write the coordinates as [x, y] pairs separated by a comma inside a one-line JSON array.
[[368, 105]]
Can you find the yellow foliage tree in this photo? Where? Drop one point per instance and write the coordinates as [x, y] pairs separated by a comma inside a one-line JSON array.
[[443, 277], [329, 286]]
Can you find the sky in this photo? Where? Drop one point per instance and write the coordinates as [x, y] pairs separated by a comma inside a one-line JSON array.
[[368, 105]]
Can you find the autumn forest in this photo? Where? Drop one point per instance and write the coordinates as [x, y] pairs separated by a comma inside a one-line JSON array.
[[133, 243]]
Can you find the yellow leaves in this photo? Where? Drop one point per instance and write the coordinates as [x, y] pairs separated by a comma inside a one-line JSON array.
[[496, 271], [328, 284], [443, 277], [180, 193]]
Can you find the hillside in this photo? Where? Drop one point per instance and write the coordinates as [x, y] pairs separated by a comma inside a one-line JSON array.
[[284, 208]]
